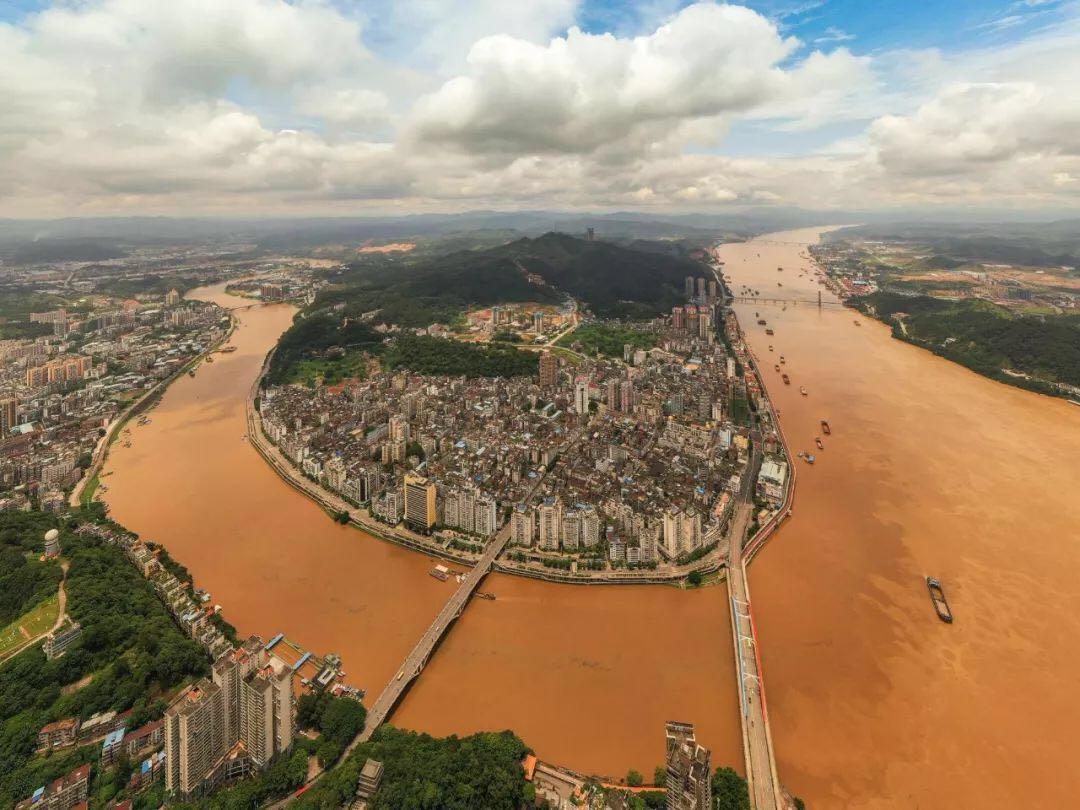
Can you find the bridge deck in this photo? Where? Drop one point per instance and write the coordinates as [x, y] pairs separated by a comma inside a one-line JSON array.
[[416, 660]]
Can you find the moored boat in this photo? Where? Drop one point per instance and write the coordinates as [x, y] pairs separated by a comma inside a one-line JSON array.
[[802, 390], [787, 379], [937, 596], [818, 442], [825, 427]]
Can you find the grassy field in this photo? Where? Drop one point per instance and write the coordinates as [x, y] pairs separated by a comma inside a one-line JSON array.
[[312, 372], [35, 621], [608, 338]]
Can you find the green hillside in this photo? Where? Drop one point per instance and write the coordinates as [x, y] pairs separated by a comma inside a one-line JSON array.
[[415, 292]]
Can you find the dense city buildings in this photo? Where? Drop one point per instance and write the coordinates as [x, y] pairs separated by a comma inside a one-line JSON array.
[[630, 462], [238, 721], [689, 769]]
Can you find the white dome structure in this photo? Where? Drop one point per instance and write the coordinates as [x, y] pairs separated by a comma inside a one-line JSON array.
[[52, 543]]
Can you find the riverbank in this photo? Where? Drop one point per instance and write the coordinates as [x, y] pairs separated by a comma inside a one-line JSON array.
[[84, 490], [360, 517], [930, 469]]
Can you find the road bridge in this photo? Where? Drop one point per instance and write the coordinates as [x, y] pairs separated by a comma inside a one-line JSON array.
[[418, 657], [757, 299], [762, 781]]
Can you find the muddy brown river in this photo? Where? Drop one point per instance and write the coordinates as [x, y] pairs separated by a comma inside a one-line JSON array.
[[586, 675], [874, 703]]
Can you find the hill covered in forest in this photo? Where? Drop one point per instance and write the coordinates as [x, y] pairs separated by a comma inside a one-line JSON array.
[[609, 280]]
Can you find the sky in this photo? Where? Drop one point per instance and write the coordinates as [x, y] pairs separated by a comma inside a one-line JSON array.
[[336, 107]]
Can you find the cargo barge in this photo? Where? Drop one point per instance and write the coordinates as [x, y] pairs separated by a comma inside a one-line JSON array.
[[937, 596]]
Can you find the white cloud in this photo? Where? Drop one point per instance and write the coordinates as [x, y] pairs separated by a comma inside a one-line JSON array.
[[260, 105], [585, 92]]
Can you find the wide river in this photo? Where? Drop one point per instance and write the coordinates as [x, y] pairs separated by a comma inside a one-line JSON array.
[[931, 469], [587, 676]]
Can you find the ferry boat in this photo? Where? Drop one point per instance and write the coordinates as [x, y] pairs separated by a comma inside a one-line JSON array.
[[825, 427], [786, 378], [440, 572], [818, 442], [802, 390], [937, 596]]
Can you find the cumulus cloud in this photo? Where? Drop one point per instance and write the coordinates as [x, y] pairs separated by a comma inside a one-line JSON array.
[[583, 92], [308, 105]]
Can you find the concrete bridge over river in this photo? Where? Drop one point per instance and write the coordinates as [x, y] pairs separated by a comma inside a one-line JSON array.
[[418, 657]]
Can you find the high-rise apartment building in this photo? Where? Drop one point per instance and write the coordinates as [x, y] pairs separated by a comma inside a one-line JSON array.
[[689, 769], [9, 407], [581, 396], [550, 523], [249, 701], [522, 525], [549, 369], [689, 286], [419, 501], [194, 737]]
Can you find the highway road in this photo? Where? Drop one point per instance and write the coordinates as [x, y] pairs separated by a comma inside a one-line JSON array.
[[757, 738]]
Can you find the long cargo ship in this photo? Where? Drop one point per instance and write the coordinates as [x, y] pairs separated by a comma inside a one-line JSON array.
[[937, 596]]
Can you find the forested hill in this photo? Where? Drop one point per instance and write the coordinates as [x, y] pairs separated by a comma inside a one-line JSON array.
[[613, 281], [407, 292]]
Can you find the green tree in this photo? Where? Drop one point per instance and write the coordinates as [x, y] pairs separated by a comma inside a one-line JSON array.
[[634, 779], [729, 790]]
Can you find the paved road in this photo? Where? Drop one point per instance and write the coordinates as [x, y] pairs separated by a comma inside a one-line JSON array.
[[757, 739]]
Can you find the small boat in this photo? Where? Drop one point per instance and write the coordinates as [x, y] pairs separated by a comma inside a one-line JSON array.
[[937, 596], [191, 373], [779, 284], [808, 458], [782, 360], [779, 269], [768, 331], [825, 427], [818, 442], [761, 321], [786, 378], [802, 390], [776, 366], [228, 349], [858, 323], [486, 595]]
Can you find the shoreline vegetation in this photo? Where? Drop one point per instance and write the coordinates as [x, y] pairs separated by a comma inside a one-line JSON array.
[[1037, 353], [134, 658]]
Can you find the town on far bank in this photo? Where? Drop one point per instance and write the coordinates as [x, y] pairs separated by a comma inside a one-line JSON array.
[[616, 456]]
